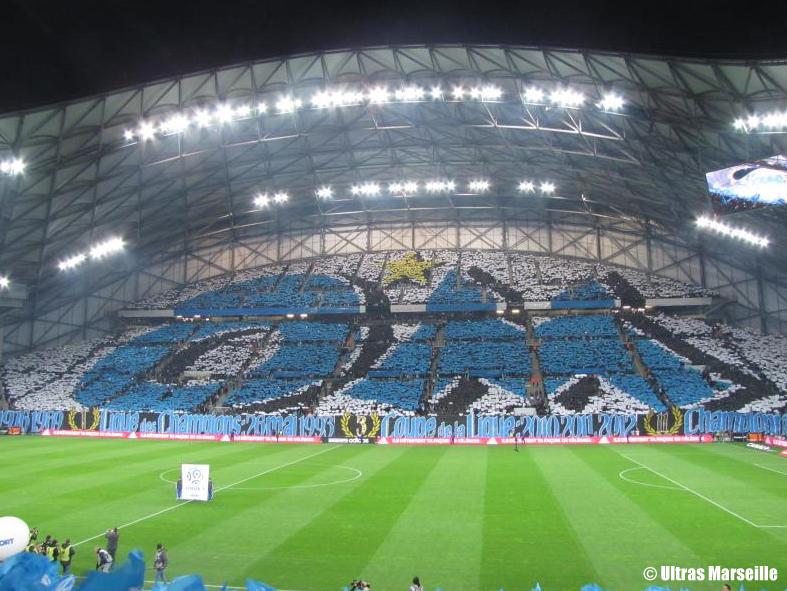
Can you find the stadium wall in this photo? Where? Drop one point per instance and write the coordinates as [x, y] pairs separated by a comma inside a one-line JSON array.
[[84, 309]]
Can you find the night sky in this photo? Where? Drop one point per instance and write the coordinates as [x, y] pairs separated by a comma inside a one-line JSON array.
[[57, 50]]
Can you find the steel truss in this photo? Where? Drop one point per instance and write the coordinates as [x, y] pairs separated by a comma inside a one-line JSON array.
[[629, 184]]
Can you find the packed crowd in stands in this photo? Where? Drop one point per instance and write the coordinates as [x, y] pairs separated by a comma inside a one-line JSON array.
[[483, 364], [479, 276]]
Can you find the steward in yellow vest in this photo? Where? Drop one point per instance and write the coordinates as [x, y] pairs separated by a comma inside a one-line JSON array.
[[67, 551]]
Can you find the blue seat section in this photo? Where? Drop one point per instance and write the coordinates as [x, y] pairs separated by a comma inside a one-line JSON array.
[[638, 388], [403, 394], [116, 371], [253, 391], [482, 330], [585, 295], [425, 332], [577, 326], [270, 294], [168, 334], [584, 356], [515, 386], [313, 331], [447, 297], [406, 359], [685, 386], [656, 357], [291, 360], [150, 396], [487, 359]]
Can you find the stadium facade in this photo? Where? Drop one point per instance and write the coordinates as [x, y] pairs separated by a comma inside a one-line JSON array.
[[619, 184]]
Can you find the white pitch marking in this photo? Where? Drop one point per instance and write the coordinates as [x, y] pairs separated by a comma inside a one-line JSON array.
[[622, 476], [181, 504], [771, 469], [694, 492]]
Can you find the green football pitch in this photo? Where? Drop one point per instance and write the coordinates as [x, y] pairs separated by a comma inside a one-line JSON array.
[[309, 518]]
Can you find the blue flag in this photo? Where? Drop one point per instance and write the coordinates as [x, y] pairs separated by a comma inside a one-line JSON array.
[[258, 586], [32, 572], [130, 575], [187, 583], [591, 587]]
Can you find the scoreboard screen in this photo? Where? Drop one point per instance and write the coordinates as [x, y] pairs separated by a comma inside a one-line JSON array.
[[751, 185]]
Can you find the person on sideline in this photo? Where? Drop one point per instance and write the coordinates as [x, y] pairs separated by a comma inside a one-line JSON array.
[[67, 552], [112, 537], [52, 551], [103, 560], [416, 586], [160, 563]]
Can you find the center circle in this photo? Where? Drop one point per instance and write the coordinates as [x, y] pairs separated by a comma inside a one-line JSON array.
[[349, 474]]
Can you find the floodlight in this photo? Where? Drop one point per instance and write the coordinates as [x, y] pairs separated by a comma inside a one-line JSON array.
[[379, 94], [106, 248], [410, 187], [534, 95], [325, 192], [436, 93], [747, 236], [128, 135], [527, 187], [242, 111], [458, 93], [4, 282], [262, 108], [202, 118], [321, 100], [439, 186], [566, 97], [12, 167], [547, 188], [396, 188], [224, 113], [281, 197], [72, 262], [774, 120], [366, 189], [611, 102], [478, 185], [287, 104], [410, 93], [175, 124], [146, 131], [262, 200], [490, 92]]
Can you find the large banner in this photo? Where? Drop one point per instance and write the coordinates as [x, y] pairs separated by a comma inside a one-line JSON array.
[[300, 428]]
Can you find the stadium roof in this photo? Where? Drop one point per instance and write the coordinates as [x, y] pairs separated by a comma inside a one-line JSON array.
[[124, 164]]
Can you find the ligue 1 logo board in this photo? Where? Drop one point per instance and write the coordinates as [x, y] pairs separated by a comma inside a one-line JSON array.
[[194, 479]]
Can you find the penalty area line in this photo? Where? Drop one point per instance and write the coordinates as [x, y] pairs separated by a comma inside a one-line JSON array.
[[695, 493], [182, 503]]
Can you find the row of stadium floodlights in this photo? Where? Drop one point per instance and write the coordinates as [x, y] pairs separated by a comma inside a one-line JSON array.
[[405, 189], [224, 113]]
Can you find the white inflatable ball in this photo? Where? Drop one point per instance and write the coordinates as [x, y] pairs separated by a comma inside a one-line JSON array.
[[14, 535]]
